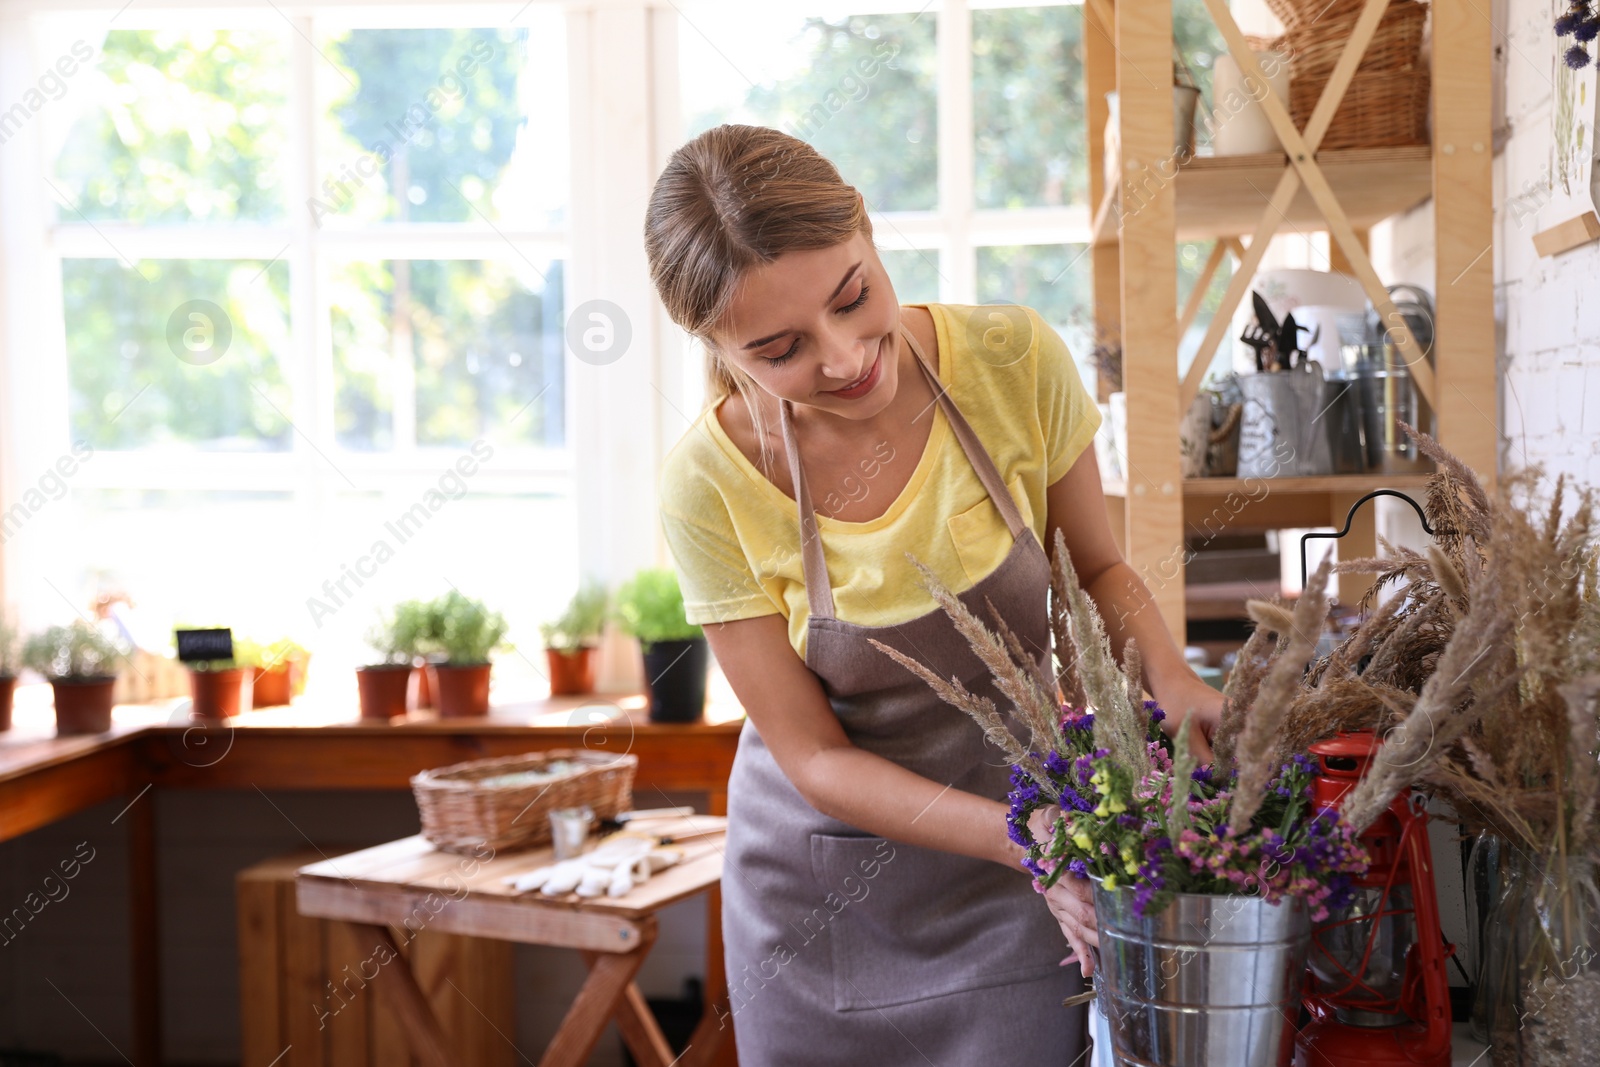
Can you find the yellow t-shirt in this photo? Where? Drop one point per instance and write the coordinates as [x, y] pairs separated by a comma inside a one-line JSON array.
[[736, 536]]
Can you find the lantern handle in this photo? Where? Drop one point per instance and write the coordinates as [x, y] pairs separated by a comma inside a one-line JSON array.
[[1350, 518]]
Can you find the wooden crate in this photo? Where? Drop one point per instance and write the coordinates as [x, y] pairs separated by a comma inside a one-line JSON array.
[[304, 1003]]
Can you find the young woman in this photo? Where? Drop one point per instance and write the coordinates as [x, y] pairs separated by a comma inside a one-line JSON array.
[[874, 908]]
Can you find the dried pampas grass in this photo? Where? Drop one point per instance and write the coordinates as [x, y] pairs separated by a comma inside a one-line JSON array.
[[1256, 750], [1480, 668]]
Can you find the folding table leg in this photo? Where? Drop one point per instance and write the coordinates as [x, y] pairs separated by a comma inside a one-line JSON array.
[[406, 1001], [644, 1038], [601, 997]]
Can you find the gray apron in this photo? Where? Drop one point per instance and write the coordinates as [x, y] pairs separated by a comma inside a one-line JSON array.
[[842, 948]]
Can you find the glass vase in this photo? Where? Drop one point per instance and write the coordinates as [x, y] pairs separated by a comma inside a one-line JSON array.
[[1538, 992]]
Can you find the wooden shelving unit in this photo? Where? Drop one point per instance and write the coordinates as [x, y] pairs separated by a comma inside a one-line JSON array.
[[1239, 202]]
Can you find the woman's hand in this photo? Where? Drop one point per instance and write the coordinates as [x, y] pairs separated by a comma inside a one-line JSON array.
[[1193, 697], [1071, 899]]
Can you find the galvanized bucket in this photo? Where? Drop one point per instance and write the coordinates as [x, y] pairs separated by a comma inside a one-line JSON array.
[[1209, 980]]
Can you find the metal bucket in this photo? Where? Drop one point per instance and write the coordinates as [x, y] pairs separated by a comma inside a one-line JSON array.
[[1269, 430], [1341, 419], [1388, 398], [1210, 980]]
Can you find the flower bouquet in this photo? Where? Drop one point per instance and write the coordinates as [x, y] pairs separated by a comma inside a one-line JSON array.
[[1189, 861]]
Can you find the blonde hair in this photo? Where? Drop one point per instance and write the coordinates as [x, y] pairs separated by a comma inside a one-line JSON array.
[[734, 198]]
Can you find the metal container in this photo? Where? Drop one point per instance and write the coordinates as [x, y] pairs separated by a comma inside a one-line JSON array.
[[1388, 398], [1341, 420], [1282, 433], [1209, 980], [1269, 429]]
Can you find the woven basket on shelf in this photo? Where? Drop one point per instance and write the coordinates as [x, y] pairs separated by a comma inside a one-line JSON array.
[[1380, 109], [1302, 14], [1395, 45], [460, 813]]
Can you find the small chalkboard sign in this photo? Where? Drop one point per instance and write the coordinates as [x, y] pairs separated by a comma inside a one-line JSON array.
[[196, 645]]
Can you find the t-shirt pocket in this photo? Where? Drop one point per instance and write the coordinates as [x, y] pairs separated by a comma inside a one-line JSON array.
[[980, 535], [907, 924]]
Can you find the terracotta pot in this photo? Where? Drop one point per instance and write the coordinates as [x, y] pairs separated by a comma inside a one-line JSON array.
[[384, 690], [221, 694], [277, 687], [427, 685], [83, 705], [571, 670], [463, 691], [676, 674], [8, 686]]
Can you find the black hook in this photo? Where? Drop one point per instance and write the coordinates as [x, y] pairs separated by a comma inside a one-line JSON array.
[[1348, 519]]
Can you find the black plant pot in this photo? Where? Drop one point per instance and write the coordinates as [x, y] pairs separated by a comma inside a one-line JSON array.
[[676, 674]]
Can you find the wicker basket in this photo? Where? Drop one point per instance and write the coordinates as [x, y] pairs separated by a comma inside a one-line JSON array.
[[1299, 15], [460, 813], [1395, 45], [1380, 109]]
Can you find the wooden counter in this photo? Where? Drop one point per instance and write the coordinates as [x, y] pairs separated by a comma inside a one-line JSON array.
[[319, 745]]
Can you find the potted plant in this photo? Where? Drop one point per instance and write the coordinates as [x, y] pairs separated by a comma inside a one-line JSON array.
[[384, 682], [80, 664], [650, 608], [465, 632], [280, 672], [9, 665], [570, 640], [222, 688]]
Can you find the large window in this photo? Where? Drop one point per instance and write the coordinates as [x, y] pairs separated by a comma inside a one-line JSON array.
[[309, 270], [295, 268]]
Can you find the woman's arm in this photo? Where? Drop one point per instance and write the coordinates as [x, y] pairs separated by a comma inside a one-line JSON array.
[[785, 701], [1077, 508]]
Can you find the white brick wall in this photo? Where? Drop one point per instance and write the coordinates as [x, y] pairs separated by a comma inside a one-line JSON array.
[[1548, 309], [1551, 362]]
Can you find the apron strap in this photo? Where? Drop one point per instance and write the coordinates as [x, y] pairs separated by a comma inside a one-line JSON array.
[[977, 455], [819, 591]]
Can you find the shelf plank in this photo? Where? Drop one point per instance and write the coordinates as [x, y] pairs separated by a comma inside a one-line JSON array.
[[1224, 196], [1328, 483], [1212, 506]]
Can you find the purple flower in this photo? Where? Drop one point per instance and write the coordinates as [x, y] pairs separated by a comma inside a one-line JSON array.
[[1586, 31], [1577, 57]]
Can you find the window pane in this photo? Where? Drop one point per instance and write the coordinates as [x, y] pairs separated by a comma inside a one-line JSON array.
[[441, 352], [1200, 42], [444, 126], [1191, 260], [1054, 280], [166, 550], [179, 126], [1029, 146], [860, 89], [177, 353], [915, 274]]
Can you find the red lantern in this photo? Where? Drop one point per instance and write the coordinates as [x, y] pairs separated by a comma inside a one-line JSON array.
[[1377, 990]]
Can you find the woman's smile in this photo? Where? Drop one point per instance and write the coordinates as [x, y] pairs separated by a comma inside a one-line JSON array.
[[864, 384]]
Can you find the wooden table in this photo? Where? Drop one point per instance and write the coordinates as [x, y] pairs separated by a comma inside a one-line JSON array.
[[322, 745], [407, 884]]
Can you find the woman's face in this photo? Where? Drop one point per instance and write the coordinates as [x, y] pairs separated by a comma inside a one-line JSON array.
[[818, 328]]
